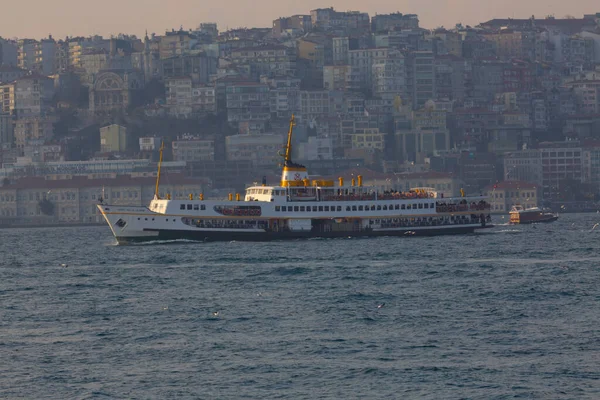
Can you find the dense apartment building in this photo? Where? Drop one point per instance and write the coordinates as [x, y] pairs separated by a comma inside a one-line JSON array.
[[394, 21], [296, 24], [247, 101], [262, 150], [266, 60], [191, 148]]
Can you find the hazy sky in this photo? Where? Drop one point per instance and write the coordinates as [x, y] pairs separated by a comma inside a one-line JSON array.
[[84, 17]]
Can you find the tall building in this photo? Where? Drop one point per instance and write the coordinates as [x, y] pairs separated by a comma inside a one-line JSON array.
[[38, 56], [6, 130], [421, 77], [389, 76], [8, 52], [247, 101]]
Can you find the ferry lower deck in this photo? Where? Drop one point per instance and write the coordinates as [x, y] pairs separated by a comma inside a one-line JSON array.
[[208, 230]]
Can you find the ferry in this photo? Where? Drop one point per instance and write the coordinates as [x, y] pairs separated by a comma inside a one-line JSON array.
[[520, 215], [299, 207]]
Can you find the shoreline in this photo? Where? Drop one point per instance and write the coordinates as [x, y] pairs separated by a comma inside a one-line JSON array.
[[67, 225]]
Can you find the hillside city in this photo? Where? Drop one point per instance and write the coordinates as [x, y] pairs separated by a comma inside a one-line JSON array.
[[510, 108]]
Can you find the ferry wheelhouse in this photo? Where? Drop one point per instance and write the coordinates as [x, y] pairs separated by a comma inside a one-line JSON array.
[[299, 207]]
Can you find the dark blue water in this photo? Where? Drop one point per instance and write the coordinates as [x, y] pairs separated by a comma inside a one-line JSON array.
[[509, 313]]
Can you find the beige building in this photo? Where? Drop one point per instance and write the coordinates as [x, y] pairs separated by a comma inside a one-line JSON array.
[[369, 139], [504, 195], [113, 138]]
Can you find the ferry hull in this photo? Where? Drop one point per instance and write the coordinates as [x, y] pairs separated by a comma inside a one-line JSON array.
[[207, 236]]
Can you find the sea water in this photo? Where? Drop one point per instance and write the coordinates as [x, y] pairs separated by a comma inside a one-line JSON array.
[[510, 312]]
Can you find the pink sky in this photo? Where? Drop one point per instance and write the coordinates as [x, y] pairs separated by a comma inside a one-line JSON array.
[[85, 17]]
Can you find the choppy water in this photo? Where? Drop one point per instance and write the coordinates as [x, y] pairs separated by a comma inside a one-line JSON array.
[[509, 313]]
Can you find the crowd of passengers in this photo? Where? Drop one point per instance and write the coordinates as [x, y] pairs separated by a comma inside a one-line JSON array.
[[431, 221], [462, 206], [386, 195], [226, 224]]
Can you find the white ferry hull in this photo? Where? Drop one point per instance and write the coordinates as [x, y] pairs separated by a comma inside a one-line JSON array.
[[139, 224]]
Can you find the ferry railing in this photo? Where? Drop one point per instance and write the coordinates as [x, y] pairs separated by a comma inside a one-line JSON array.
[[463, 207]]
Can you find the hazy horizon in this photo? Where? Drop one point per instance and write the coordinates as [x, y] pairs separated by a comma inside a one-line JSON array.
[[84, 17]]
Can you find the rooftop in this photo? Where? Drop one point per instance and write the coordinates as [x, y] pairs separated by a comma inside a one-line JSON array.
[[511, 185]]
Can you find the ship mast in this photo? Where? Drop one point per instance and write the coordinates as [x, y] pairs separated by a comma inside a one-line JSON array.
[[288, 148], [162, 147]]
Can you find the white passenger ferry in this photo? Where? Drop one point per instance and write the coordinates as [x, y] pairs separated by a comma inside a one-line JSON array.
[[298, 208]]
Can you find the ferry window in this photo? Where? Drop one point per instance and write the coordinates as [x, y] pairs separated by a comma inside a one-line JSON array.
[[283, 208], [353, 208], [379, 208], [301, 208], [408, 206], [403, 207], [196, 207], [327, 208], [265, 191], [397, 206], [315, 208], [321, 208], [372, 208], [307, 208], [360, 208], [203, 207], [414, 206], [385, 207], [339, 208], [182, 207], [189, 206], [426, 205], [295, 208], [277, 208], [347, 208], [421, 205]]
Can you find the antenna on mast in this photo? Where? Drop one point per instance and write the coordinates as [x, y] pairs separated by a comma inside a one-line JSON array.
[[288, 149]]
